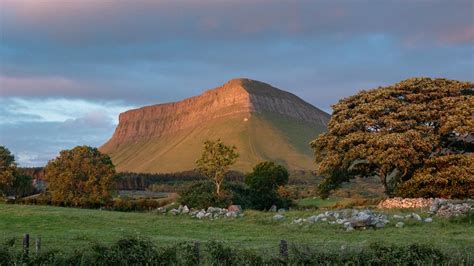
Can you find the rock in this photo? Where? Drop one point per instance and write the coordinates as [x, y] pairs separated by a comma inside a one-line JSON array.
[[298, 221], [437, 203], [278, 217], [208, 215], [161, 210], [416, 216], [312, 219], [185, 210], [361, 219], [380, 225], [400, 224], [235, 208], [399, 217], [281, 210], [175, 211], [428, 220], [201, 214], [273, 208], [231, 214], [349, 229]]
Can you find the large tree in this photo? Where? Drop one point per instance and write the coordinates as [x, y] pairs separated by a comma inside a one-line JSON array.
[[390, 132], [215, 161], [80, 175], [7, 170]]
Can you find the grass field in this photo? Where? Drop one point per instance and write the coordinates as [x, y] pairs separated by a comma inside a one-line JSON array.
[[68, 229]]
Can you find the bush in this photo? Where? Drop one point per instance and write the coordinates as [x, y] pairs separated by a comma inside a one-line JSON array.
[[265, 181], [203, 194], [136, 250]]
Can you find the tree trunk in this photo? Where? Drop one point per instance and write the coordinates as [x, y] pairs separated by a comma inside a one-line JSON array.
[[218, 188]]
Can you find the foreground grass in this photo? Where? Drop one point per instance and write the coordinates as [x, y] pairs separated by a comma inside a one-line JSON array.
[[68, 229]]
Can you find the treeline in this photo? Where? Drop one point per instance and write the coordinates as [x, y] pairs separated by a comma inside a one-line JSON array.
[[144, 181]]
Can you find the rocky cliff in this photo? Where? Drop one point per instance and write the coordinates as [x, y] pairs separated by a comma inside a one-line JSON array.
[[240, 100]]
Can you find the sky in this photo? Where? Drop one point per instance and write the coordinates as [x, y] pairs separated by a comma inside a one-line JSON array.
[[68, 68]]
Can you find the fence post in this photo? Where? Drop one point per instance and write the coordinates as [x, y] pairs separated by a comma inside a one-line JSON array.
[[26, 244], [284, 249], [38, 245], [197, 251]]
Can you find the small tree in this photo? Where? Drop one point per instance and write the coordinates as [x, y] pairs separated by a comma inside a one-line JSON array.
[[80, 175], [264, 181], [7, 170], [215, 161]]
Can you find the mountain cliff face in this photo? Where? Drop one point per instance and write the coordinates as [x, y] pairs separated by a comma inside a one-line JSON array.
[[242, 112]]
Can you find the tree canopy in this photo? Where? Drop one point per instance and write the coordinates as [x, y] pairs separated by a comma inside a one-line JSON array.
[[263, 181], [7, 169], [81, 175], [215, 161], [391, 132]]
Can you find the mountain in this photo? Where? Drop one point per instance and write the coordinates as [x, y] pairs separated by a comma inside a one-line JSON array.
[[263, 122]]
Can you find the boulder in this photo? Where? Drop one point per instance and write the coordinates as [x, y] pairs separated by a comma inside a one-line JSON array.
[[400, 224], [416, 216], [278, 217], [273, 208], [185, 210], [428, 220], [235, 208], [201, 214]]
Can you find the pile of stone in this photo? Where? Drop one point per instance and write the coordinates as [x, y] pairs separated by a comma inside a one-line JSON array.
[[405, 203], [212, 213], [352, 219], [349, 218], [444, 208]]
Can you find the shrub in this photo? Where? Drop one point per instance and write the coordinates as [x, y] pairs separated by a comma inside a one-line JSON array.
[[264, 181], [203, 194]]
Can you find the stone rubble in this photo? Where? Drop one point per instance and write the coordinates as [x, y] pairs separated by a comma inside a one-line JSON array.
[[405, 203], [445, 209], [212, 213]]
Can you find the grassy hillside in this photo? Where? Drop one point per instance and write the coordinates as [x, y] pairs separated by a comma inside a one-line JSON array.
[[68, 229], [257, 138]]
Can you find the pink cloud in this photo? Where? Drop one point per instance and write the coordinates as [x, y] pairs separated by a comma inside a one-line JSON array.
[[36, 86], [456, 36]]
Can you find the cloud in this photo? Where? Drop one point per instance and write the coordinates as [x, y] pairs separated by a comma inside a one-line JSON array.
[[36, 130], [67, 68]]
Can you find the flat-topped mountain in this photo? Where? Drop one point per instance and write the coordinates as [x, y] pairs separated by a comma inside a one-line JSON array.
[[263, 122]]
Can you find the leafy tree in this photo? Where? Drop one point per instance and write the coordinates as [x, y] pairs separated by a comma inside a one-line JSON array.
[[22, 185], [80, 175], [215, 161], [7, 170], [390, 132], [447, 176], [264, 181]]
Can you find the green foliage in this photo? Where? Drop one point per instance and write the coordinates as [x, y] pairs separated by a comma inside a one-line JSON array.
[[136, 250], [81, 175], [264, 181], [390, 132], [7, 169], [203, 194], [215, 161], [447, 176], [267, 176]]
